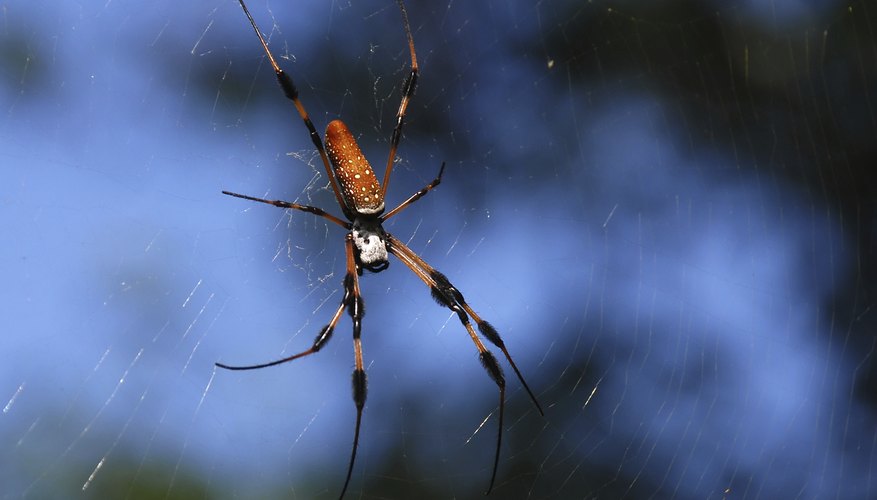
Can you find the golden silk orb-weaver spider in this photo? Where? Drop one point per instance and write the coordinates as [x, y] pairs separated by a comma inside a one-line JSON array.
[[368, 245]]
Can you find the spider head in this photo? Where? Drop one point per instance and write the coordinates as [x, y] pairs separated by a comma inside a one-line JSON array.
[[370, 243]]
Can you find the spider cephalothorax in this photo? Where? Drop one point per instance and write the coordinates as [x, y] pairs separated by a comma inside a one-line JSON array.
[[361, 198], [369, 239]]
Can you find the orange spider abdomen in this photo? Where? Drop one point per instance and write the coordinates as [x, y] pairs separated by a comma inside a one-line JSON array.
[[359, 187]]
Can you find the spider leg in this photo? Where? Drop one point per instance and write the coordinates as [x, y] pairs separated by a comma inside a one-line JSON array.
[[287, 204], [356, 311], [352, 301], [445, 294], [291, 92], [439, 281], [407, 91], [416, 196], [322, 337], [351, 290]]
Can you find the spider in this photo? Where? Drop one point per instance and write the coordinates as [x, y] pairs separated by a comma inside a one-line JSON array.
[[361, 199]]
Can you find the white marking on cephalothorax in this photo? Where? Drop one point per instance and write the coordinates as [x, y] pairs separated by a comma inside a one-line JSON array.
[[372, 249]]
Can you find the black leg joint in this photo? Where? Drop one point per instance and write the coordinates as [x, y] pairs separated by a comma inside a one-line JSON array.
[[359, 388], [491, 334], [348, 288], [322, 337], [492, 367], [446, 286], [443, 298], [287, 85], [440, 297]]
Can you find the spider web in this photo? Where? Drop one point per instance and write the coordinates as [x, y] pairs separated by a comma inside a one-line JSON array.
[[666, 208]]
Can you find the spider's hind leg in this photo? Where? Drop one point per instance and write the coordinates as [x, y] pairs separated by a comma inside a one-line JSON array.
[[356, 309], [486, 329], [447, 295]]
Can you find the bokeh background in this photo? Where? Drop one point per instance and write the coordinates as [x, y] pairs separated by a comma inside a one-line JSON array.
[[666, 208]]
